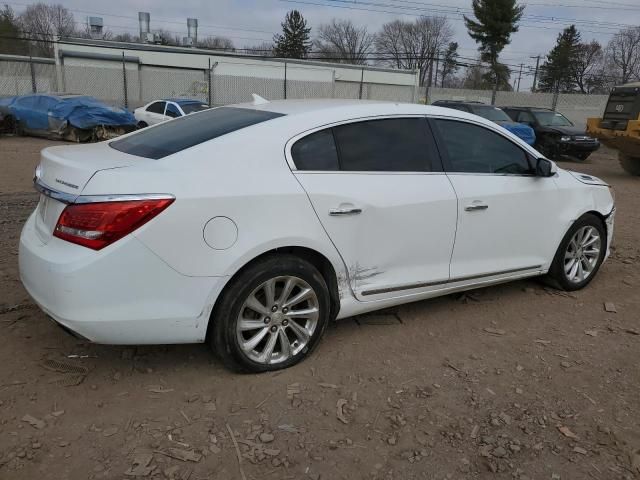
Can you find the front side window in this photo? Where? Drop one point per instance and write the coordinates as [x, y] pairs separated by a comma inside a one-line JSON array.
[[156, 107], [389, 145], [172, 111], [474, 149]]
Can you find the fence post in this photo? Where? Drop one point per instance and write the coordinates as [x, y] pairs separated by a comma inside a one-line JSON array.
[[285, 80], [209, 82], [124, 82], [361, 82], [554, 102], [34, 88]]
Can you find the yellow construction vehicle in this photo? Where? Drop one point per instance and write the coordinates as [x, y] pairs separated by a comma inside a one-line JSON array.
[[619, 127]]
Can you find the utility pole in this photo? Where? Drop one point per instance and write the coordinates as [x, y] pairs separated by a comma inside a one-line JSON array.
[[519, 76], [535, 75]]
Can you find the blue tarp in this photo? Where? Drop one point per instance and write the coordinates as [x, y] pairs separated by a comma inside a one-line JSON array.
[[50, 112], [520, 130]]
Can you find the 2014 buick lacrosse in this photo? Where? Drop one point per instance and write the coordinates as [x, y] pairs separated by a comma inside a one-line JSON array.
[[250, 227]]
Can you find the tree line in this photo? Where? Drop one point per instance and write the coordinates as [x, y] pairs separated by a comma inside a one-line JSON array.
[[425, 44]]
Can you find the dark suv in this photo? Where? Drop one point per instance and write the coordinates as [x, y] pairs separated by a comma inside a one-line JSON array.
[[555, 134]]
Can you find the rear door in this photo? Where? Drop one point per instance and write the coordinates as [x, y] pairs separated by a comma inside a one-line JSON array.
[[155, 112], [505, 213], [378, 188]]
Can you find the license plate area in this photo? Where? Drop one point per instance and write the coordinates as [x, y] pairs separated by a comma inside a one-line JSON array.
[[47, 214]]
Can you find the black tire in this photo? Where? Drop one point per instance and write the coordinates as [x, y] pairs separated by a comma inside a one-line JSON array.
[[557, 273], [583, 156], [630, 164], [142, 125], [223, 336], [548, 150]]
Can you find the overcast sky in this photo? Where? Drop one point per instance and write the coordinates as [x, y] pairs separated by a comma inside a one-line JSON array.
[[249, 22]]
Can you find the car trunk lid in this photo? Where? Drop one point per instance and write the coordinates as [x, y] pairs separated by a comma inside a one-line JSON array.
[[63, 173]]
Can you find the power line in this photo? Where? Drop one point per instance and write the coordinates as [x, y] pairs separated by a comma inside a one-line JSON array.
[[395, 12]]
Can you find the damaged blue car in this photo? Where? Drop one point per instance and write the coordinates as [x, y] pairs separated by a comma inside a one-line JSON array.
[[77, 118]]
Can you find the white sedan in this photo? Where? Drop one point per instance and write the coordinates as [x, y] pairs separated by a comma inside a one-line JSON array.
[[250, 227], [160, 111]]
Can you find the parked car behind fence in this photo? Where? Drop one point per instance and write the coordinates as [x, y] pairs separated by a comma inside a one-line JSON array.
[[495, 114], [65, 116]]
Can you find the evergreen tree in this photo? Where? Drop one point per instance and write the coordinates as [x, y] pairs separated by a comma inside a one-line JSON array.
[[495, 21], [449, 62], [558, 73], [10, 33], [294, 42]]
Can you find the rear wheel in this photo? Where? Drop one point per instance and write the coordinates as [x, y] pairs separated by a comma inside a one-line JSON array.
[[580, 254], [142, 124], [630, 164], [271, 316]]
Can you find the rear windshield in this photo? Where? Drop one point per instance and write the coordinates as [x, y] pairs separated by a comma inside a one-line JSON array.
[[491, 113], [182, 133], [188, 108]]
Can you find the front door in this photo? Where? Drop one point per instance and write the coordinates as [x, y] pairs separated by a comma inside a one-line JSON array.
[[378, 188], [505, 212]]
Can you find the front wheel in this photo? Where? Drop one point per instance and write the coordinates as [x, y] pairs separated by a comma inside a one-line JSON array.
[[271, 316], [580, 254], [142, 124]]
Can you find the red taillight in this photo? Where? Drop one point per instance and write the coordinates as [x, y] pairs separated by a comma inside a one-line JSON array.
[[96, 225]]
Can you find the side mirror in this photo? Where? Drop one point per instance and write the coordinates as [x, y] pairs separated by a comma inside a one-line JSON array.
[[544, 168]]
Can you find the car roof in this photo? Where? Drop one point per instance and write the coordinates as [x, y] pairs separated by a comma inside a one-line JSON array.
[[182, 101], [300, 115], [472, 103], [533, 109]]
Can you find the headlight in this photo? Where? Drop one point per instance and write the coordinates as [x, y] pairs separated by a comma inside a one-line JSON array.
[[565, 139]]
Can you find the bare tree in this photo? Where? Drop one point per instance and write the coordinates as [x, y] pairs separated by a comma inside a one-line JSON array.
[[124, 37], [588, 66], [216, 43], [341, 41], [264, 49], [44, 23], [623, 53], [414, 45]]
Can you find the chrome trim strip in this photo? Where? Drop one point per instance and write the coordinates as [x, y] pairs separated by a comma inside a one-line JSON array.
[[123, 198], [47, 191], [69, 198], [453, 280]]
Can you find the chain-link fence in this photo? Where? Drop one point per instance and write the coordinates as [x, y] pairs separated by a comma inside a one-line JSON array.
[[131, 84]]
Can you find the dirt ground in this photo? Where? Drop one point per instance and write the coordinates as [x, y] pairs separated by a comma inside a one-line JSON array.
[[510, 382]]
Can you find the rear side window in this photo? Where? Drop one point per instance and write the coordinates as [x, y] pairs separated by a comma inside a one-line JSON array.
[[474, 149], [316, 152], [390, 145], [185, 132], [156, 107]]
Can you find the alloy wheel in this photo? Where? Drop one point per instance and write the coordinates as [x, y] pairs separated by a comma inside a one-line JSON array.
[[582, 254], [277, 320]]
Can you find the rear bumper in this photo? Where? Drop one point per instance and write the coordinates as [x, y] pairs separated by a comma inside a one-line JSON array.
[[123, 294]]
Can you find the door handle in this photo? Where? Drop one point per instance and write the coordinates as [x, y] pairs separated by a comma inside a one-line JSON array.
[[337, 212], [476, 206]]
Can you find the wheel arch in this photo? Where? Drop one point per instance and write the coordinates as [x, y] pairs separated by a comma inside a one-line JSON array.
[[317, 259]]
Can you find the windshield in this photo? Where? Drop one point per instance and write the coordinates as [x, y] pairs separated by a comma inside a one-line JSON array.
[[552, 119], [170, 137], [491, 113], [188, 108]]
